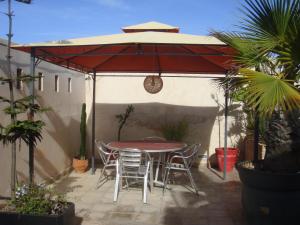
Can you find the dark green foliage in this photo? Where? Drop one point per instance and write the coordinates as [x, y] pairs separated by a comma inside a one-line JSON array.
[[277, 135], [29, 131], [175, 131], [82, 151], [294, 123], [282, 143], [122, 118], [38, 200], [23, 105], [26, 130]]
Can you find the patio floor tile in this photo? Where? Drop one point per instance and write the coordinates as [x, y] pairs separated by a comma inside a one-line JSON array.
[[218, 201]]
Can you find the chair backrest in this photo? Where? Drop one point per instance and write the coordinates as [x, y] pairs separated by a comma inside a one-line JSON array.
[[103, 151], [131, 159], [190, 154]]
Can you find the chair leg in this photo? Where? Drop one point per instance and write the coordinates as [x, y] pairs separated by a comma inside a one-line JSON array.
[[151, 176], [117, 187], [166, 176], [192, 181], [101, 174], [145, 189], [157, 167]]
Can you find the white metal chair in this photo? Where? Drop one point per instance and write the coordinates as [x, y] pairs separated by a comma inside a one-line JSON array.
[[108, 158], [182, 161], [133, 164]]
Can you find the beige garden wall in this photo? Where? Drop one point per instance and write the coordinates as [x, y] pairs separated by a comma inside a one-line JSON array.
[[61, 134], [189, 99]]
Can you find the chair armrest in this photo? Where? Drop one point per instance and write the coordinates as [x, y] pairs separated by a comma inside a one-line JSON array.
[[174, 157], [114, 154]]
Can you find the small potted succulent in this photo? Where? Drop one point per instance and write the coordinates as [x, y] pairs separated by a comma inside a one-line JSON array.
[[80, 163]]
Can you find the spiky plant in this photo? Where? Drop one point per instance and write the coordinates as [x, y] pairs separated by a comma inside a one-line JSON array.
[[268, 60], [82, 150]]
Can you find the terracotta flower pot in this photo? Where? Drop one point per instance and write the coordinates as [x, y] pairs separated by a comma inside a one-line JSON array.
[[80, 165]]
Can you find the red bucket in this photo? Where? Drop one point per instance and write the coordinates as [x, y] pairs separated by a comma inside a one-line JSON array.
[[231, 156]]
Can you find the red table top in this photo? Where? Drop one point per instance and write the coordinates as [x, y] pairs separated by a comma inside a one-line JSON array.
[[149, 146]]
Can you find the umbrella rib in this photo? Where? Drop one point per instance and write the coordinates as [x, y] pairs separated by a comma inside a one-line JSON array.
[[53, 55], [82, 70], [207, 60], [110, 57], [82, 54], [210, 48], [157, 58]]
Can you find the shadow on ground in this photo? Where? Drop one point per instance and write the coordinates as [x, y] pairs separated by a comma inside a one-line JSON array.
[[218, 201]]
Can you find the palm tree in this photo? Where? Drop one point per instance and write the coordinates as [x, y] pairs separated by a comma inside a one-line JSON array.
[[268, 62]]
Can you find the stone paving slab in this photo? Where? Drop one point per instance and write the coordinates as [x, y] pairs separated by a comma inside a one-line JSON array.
[[218, 201]]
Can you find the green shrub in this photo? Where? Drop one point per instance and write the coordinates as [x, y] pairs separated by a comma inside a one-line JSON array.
[[175, 131], [37, 200]]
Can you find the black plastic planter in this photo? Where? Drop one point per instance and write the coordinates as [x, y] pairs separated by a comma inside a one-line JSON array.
[[270, 198], [67, 218]]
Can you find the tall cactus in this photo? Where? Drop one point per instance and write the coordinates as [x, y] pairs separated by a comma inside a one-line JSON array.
[[82, 150]]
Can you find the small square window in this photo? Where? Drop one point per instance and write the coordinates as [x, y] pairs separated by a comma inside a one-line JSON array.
[[40, 82], [19, 83], [56, 83], [69, 85]]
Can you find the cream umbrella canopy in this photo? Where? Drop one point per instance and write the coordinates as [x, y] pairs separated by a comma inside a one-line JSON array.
[[144, 48]]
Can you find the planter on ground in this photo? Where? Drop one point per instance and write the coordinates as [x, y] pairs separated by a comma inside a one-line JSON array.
[[231, 155], [270, 198], [80, 165], [13, 218]]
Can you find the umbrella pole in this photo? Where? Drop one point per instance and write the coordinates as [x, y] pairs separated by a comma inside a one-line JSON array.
[[93, 122], [225, 130]]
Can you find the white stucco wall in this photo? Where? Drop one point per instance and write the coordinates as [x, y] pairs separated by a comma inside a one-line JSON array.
[[61, 134], [188, 99]]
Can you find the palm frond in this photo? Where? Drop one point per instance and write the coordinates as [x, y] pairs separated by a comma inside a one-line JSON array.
[[249, 52], [267, 93], [275, 26]]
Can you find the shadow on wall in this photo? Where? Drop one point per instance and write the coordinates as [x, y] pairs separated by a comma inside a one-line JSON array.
[[61, 135], [147, 119], [64, 134], [44, 168]]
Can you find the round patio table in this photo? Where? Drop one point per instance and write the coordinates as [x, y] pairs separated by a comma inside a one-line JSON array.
[[150, 146]]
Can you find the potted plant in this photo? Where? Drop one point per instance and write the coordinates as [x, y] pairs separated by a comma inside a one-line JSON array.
[[268, 58], [80, 163], [36, 205], [232, 152]]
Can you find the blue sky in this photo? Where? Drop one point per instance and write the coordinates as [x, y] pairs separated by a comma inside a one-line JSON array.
[[46, 20]]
